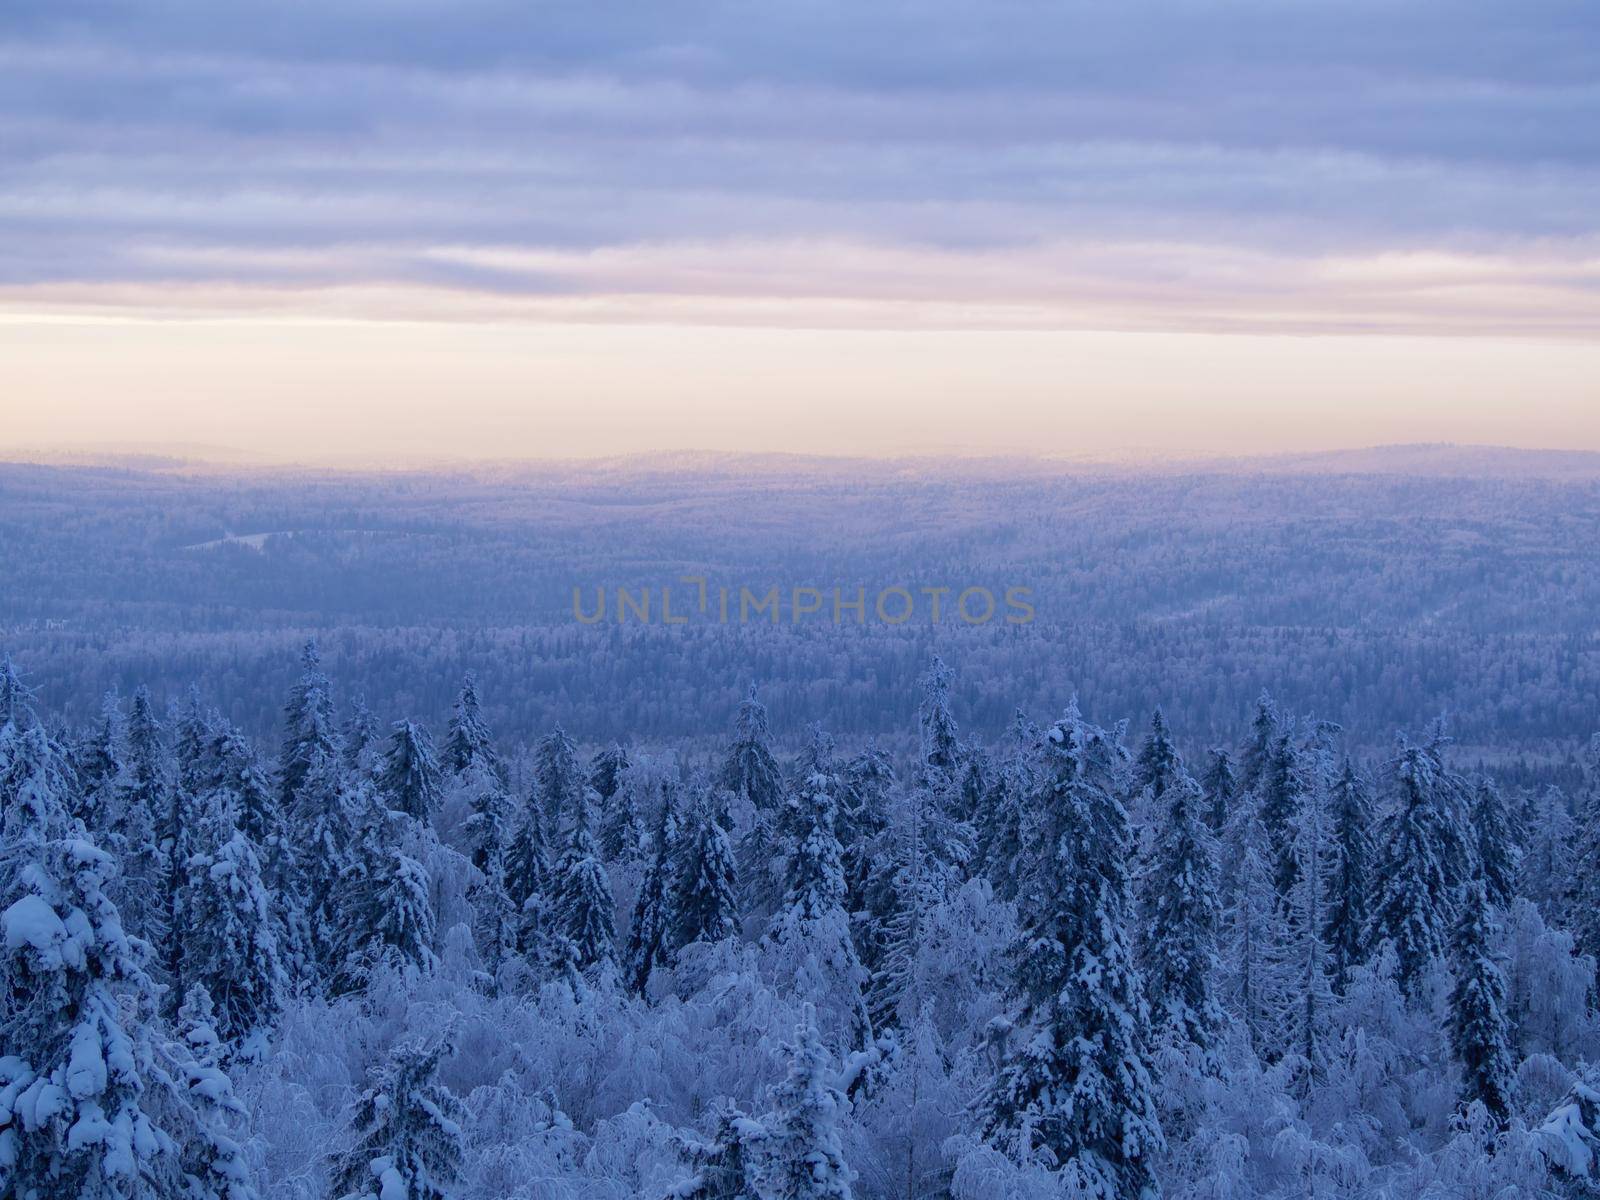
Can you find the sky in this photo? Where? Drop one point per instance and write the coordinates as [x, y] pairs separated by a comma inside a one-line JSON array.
[[524, 229]]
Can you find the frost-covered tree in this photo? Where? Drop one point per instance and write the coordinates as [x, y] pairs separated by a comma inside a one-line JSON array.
[[386, 915], [88, 1109], [468, 743], [1074, 1091], [309, 728], [724, 1162], [1221, 787], [801, 1155], [650, 930], [705, 906], [229, 944], [808, 944], [558, 782], [143, 800], [406, 1138], [1182, 915], [1350, 874], [1158, 765], [100, 770], [1479, 1032], [213, 1159], [936, 724], [606, 771], [1265, 732], [1304, 1022], [323, 822], [1547, 866], [751, 775], [360, 737], [583, 904], [1413, 910], [998, 825], [864, 788], [1282, 788], [1255, 985], [409, 779], [1499, 850], [1583, 899]]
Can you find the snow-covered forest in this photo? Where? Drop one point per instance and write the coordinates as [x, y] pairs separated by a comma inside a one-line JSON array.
[[373, 959]]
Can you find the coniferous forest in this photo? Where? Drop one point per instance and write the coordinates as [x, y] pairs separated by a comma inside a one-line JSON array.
[[370, 958]]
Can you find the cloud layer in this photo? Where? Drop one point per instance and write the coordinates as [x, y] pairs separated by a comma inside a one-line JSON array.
[[1222, 167]]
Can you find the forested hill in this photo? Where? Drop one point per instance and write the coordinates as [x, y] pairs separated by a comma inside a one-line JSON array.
[[1377, 589]]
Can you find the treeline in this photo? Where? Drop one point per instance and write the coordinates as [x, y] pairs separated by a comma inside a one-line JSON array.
[[1052, 963]]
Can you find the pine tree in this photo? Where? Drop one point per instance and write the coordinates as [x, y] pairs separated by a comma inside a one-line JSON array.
[[177, 830], [583, 903], [1350, 881], [409, 778], [725, 1162], [1074, 1089], [1182, 915], [1221, 786], [705, 907], [229, 945], [406, 1131], [650, 931], [801, 1155], [1479, 1032], [15, 698], [558, 782], [1412, 911], [808, 940], [1304, 1021], [468, 743]]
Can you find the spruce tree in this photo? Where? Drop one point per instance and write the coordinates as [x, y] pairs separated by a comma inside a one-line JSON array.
[[1159, 765], [558, 782], [1221, 785], [705, 907], [936, 725], [324, 824], [650, 930], [1412, 911], [386, 913], [1074, 1089], [1480, 1035], [309, 729], [1265, 731], [864, 787], [406, 1131], [1350, 875], [998, 829], [101, 773], [801, 1154], [1256, 989], [214, 1163], [583, 903], [1583, 893], [1282, 787], [409, 779], [1182, 916], [229, 945], [1499, 851], [136, 889], [468, 743], [1547, 868], [606, 771], [808, 940], [359, 738], [751, 775]]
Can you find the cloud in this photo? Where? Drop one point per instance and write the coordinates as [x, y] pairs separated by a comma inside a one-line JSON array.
[[1166, 165]]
